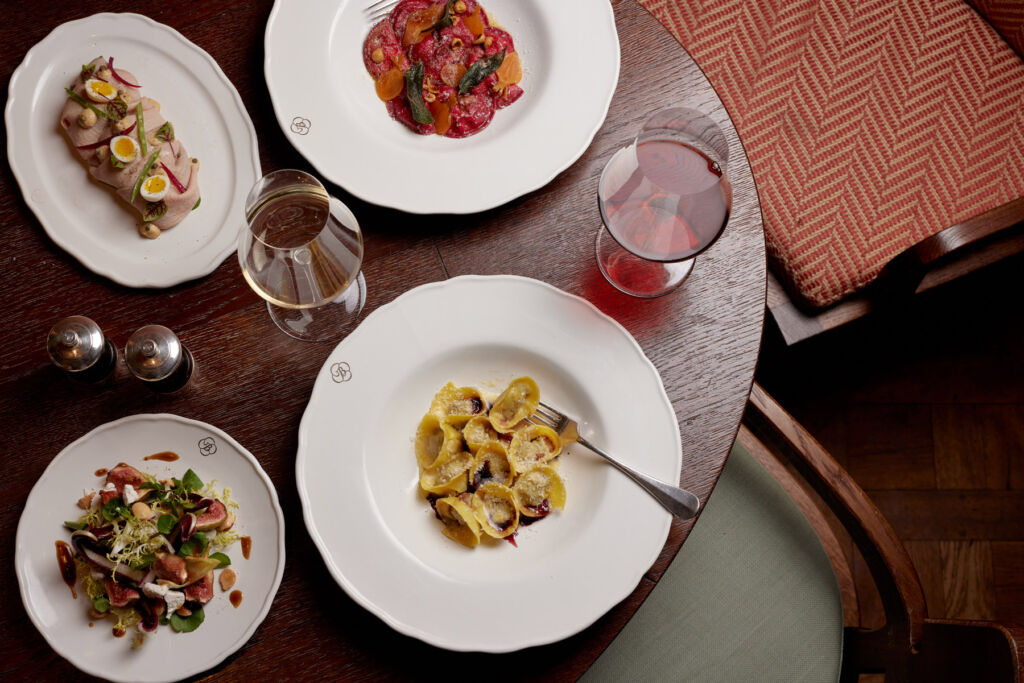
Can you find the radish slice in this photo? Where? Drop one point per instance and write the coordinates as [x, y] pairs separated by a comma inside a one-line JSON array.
[[110, 65], [106, 141], [174, 181]]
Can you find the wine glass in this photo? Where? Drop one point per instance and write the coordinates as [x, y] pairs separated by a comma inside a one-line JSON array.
[[664, 199], [302, 251]]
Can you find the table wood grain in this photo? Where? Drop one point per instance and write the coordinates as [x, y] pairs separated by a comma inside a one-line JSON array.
[[254, 382]]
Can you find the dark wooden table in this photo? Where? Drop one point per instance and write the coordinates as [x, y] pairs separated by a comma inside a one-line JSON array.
[[704, 340]]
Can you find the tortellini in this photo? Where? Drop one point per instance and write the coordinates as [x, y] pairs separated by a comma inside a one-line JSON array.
[[486, 469]]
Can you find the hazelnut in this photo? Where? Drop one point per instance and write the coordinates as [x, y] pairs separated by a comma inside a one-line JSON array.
[[377, 56], [141, 511], [85, 502], [149, 231], [429, 96], [227, 578], [460, 6], [488, 41], [456, 43], [87, 119]]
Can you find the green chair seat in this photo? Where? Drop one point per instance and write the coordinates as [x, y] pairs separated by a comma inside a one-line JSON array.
[[751, 596]]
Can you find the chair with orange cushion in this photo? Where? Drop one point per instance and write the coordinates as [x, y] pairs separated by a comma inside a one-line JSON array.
[[886, 139], [762, 589]]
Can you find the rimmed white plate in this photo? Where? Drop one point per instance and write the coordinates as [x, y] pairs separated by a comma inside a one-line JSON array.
[[83, 216], [357, 474], [327, 107], [165, 655]]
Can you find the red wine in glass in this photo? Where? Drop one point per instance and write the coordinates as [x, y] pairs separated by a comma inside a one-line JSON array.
[[664, 199]]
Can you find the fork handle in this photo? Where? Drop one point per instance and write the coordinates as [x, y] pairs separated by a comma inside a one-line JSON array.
[[679, 502]]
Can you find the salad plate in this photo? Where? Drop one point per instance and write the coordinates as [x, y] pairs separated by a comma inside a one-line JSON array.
[[81, 215], [326, 105], [356, 463], [165, 655]]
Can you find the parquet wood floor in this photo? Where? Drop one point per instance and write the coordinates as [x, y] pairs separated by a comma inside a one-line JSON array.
[[925, 409]]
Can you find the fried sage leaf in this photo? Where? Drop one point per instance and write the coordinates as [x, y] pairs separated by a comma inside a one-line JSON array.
[[414, 93], [481, 69], [446, 20]]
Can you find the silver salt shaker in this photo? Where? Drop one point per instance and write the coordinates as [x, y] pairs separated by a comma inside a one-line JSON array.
[[77, 346], [155, 355]]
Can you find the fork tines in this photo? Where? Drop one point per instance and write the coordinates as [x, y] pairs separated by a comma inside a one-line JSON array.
[[378, 10], [545, 414]]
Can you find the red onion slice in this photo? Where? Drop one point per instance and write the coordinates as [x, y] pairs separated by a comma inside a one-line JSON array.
[[106, 141], [174, 181], [113, 72], [188, 526]]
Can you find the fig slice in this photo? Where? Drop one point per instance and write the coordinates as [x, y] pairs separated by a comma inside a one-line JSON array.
[[196, 568], [212, 518]]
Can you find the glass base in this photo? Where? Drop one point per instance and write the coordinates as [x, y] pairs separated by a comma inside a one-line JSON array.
[[329, 322], [637, 276]]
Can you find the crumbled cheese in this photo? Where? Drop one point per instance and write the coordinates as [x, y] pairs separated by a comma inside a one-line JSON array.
[[95, 502], [129, 495], [110, 486], [173, 599]]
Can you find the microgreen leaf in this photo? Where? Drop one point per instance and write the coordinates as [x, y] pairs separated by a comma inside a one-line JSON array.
[[187, 624], [165, 133], [481, 69], [115, 162], [114, 509], [155, 485], [225, 561], [154, 211], [194, 546], [100, 603], [191, 481], [88, 70], [197, 204], [165, 524], [117, 109]]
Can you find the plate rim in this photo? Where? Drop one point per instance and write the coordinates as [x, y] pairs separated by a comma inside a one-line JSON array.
[[276, 506], [196, 268], [394, 201], [366, 603]]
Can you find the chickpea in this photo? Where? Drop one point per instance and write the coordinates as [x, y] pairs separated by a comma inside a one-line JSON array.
[[87, 119], [377, 56]]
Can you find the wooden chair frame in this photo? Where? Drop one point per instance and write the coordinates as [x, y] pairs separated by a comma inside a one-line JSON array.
[[945, 256], [911, 646]]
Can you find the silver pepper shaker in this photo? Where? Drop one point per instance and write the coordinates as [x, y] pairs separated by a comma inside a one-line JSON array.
[[155, 355], [77, 346]]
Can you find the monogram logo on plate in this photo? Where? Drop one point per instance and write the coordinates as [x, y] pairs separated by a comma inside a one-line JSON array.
[[207, 446], [341, 372], [301, 126]]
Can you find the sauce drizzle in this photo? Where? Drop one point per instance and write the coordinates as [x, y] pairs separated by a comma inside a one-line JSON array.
[[166, 456], [246, 546], [235, 598], [66, 562], [101, 472]]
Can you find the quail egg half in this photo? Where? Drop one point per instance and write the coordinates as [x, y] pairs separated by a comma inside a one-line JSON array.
[[99, 91], [154, 187], [124, 149]]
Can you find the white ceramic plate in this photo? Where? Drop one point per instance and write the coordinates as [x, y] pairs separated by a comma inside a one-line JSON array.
[[327, 106], [165, 655], [358, 480], [83, 216]]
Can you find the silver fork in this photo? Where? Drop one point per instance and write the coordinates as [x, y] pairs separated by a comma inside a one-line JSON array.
[[679, 502], [376, 11]]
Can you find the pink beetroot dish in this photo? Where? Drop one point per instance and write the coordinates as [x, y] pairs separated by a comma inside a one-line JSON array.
[[441, 67]]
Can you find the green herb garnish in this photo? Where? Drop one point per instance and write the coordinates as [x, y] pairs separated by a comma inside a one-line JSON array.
[[165, 133], [191, 481], [187, 624], [100, 603], [154, 211], [138, 184], [117, 108], [87, 104], [414, 93], [197, 204], [115, 162], [88, 70], [142, 130], [194, 546], [114, 509], [481, 69], [225, 561], [155, 485], [76, 526], [165, 524], [164, 619]]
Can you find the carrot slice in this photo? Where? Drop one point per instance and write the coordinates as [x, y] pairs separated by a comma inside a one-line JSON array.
[[390, 84], [474, 23], [510, 72], [442, 112]]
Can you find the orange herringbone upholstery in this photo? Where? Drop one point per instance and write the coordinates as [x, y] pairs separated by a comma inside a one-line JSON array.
[[870, 124]]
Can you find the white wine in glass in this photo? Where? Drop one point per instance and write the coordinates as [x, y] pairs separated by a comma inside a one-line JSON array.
[[302, 251]]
